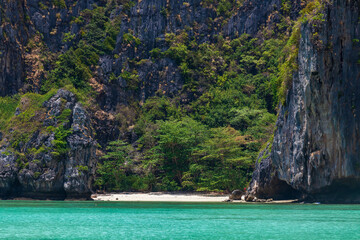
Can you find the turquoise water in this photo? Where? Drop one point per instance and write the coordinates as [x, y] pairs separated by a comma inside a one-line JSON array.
[[116, 220]]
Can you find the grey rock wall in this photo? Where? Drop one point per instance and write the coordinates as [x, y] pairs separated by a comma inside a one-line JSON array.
[[13, 35], [49, 175], [148, 20], [316, 148]]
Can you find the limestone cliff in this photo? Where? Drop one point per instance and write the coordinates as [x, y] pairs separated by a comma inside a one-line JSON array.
[[49, 144], [13, 37], [57, 160], [49, 151], [315, 153]]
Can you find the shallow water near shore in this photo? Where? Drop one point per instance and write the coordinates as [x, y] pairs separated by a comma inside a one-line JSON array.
[[129, 220]]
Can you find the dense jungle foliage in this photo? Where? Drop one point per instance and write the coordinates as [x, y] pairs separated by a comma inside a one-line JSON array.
[[206, 137]]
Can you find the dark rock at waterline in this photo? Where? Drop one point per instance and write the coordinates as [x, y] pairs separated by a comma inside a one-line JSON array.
[[249, 198], [265, 183], [8, 173], [236, 195], [44, 174], [315, 154]]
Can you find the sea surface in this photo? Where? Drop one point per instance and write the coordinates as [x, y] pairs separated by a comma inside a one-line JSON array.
[[129, 220]]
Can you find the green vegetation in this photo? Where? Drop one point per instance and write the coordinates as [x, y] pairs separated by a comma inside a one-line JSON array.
[[289, 65], [233, 87], [82, 169], [113, 172], [185, 154], [206, 137], [7, 109], [59, 3], [131, 78], [223, 8], [210, 143], [42, 6], [37, 175], [76, 66], [60, 145], [128, 38], [20, 129], [245, 66], [26, 122], [311, 13]]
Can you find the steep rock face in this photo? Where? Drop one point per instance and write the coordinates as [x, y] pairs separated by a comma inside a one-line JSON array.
[[34, 21], [8, 172], [147, 20], [22, 21], [80, 165], [34, 30], [13, 36], [150, 20], [58, 163], [316, 143], [266, 183], [251, 16]]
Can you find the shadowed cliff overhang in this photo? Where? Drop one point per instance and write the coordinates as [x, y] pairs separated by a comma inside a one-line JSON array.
[[340, 191]]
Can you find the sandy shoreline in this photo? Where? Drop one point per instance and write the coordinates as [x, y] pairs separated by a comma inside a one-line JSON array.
[[174, 197], [159, 197]]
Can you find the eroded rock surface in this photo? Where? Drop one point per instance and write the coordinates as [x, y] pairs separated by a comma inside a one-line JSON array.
[[57, 163], [316, 147]]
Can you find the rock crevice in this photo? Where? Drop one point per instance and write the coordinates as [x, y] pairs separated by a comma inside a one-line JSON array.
[[316, 147], [57, 167]]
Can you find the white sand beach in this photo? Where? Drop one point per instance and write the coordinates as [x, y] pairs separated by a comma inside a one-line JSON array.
[[159, 197]]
